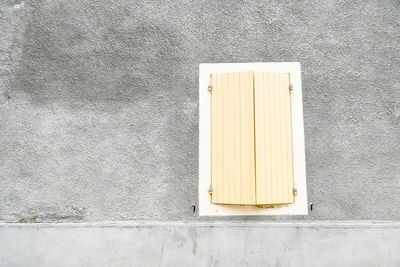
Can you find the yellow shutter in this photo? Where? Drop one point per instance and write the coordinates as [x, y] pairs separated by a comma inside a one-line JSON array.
[[251, 139], [232, 138], [273, 138]]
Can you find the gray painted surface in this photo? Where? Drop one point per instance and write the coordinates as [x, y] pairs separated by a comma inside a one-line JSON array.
[[178, 244], [99, 112]]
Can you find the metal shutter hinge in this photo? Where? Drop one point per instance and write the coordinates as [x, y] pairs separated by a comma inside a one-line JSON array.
[[210, 190], [209, 88]]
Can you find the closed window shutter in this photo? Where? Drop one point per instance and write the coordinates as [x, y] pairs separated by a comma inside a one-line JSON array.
[[232, 138], [251, 139], [273, 138]]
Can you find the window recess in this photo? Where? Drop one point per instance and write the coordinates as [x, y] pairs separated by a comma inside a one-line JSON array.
[[251, 140]]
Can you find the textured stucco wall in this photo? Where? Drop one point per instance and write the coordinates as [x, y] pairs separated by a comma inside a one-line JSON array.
[[99, 102]]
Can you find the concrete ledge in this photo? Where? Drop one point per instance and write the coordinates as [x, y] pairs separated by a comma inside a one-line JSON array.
[[320, 243], [273, 224]]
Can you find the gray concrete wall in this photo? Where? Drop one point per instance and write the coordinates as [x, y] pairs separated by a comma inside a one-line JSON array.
[[99, 103], [201, 244]]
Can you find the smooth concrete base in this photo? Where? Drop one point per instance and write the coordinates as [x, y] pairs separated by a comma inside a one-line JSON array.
[[201, 244]]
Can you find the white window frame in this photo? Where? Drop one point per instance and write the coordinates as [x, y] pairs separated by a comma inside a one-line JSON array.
[[206, 208]]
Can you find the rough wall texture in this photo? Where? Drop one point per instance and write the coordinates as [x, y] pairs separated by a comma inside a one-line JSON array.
[[99, 102]]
